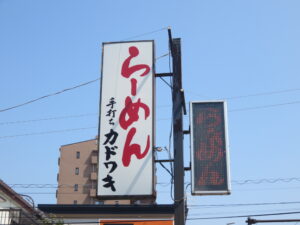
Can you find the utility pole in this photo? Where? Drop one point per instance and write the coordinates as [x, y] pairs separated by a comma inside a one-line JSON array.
[[178, 106]]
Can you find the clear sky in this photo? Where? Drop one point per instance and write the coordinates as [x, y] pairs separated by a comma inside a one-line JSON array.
[[244, 51]]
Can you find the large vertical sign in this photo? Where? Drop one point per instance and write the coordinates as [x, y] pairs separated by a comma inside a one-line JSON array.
[[126, 136], [209, 148]]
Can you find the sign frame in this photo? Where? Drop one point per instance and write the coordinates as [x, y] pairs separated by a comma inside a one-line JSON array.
[[192, 152], [152, 195]]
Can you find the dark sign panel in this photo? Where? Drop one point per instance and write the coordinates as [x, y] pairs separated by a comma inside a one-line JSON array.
[[209, 152]]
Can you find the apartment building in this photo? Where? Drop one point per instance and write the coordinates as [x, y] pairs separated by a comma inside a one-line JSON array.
[[77, 177]]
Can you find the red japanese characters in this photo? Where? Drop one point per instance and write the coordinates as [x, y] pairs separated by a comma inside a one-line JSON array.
[[130, 113]]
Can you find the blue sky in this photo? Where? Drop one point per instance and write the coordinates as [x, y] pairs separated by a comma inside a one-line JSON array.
[[244, 51]]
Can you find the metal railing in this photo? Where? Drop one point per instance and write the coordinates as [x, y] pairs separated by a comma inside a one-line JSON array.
[[17, 216]]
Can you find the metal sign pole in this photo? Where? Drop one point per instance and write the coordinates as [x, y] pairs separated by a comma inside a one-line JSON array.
[[178, 133]]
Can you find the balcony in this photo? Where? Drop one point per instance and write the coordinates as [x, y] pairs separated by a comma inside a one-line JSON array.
[[94, 176], [17, 216], [93, 193], [94, 159]]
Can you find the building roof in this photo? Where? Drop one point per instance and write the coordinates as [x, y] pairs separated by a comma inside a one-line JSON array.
[[16, 197], [79, 142], [105, 210]]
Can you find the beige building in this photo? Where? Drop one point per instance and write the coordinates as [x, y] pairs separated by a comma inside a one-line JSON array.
[[77, 177]]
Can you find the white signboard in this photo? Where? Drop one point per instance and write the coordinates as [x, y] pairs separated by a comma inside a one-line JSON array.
[[126, 129]]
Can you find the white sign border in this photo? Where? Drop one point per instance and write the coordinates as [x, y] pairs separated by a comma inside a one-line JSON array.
[[119, 197]]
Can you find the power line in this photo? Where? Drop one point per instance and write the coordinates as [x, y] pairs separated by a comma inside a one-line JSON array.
[[241, 182], [47, 132], [62, 91], [82, 115], [210, 212], [244, 216], [268, 189], [47, 119], [246, 204], [49, 95], [144, 34], [263, 93], [264, 106], [255, 107], [50, 132], [193, 206], [83, 84], [249, 95], [162, 56], [57, 118], [267, 180], [161, 106], [51, 185]]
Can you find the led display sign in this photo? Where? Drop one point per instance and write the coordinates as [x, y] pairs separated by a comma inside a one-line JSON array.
[[209, 148]]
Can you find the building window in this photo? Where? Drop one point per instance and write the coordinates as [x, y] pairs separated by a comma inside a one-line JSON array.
[[99, 202], [76, 171], [75, 202], [58, 161], [75, 187], [57, 177], [77, 155]]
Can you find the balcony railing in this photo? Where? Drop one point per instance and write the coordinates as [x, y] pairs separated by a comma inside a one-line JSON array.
[[17, 216]]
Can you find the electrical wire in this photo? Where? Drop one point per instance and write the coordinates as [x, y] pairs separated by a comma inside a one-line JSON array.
[[210, 212], [64, 90], [244, 204], [263, 93], [268, 189], [48, 132], [57, 118], [249, 95], [265, 106], [144, 34], [267, 180], [238, 182], [171, 129], [162, 56], [74, 116], [244, 216], [163, 166], [254, 107], [47, 119], [49, 95]]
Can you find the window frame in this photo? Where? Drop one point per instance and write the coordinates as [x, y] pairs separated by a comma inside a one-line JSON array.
[[77, 171]]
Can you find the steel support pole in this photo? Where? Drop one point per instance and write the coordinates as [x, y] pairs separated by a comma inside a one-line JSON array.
[[178, 134]]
